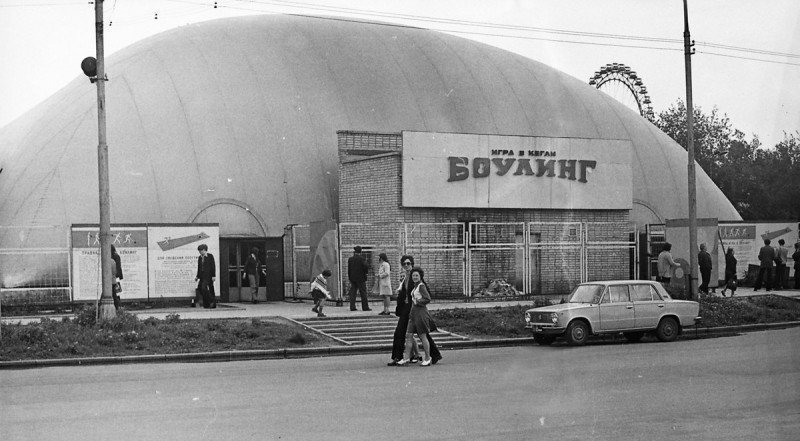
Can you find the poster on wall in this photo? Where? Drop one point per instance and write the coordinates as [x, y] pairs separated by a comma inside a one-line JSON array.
[[130, 242], [172, 257], [747, 238]]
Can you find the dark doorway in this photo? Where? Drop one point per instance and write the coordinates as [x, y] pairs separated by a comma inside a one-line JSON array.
[[234, 287]]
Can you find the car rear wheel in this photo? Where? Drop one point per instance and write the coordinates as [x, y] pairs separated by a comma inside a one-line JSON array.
[[544, 340], [667, 329], [577, 333], [633, 337]]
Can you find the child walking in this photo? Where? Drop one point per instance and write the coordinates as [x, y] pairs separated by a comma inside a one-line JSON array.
[[319, 292]]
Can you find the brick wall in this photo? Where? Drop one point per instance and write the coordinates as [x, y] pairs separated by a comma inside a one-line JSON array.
[[370, 170]]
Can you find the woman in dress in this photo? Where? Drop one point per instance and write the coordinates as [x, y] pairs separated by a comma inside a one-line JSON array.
[[385, 283], [420, 321]]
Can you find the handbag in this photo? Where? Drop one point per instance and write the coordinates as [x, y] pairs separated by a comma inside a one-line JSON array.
[[117, 288]]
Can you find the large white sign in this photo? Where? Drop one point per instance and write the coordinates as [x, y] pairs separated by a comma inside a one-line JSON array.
[[493, 171], [747, 238], [131, 245], [173, 258]]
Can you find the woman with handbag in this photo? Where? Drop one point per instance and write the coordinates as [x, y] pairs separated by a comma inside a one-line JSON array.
[[730, 273], [420, 321]]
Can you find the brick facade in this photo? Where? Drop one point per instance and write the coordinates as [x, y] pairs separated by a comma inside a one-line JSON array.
[[370, 170]]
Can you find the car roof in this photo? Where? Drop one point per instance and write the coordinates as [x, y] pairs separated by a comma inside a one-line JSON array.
[[619, 282]]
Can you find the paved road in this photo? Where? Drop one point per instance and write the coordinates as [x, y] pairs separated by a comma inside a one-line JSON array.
[[732, 388]]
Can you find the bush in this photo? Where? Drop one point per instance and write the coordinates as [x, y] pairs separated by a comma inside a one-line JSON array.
[[172, 318], [86, 315]]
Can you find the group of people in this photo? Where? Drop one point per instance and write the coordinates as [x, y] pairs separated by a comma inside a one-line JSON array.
[[412, 296], [776, 258], [768, 257]]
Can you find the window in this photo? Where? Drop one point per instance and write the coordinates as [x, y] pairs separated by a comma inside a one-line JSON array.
[[642, 293], [618, 294]]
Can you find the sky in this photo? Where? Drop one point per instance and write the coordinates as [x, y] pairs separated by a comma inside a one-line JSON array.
[[747, 60]]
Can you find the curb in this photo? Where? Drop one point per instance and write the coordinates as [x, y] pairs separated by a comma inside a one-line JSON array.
[[327, 351]]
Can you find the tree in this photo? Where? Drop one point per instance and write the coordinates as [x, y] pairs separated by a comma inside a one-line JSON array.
[[762, 184]]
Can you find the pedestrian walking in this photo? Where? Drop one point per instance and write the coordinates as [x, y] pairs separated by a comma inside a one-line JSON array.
[[402, 310], [766, 257], [357, 269], [704, 261], [730, 273], [319, 292], [252, 272], [206, 275], [420, 321], [385, 283]]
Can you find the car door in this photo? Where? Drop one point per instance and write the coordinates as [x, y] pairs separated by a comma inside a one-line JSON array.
[[647, 305], [616, 309]]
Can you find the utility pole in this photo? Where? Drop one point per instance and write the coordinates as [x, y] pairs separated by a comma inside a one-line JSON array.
[[106, 310], [687, 52]]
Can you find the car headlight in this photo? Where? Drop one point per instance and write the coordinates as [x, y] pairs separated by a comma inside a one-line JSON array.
[[554, 317], [527, 317]]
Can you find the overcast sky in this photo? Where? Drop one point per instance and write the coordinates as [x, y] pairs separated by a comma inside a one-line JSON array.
[[747, 62]]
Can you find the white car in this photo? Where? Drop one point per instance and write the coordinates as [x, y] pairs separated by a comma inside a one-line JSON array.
[[630, 307]]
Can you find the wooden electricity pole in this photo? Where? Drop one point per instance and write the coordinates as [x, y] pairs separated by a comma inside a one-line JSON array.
[[693, 250]]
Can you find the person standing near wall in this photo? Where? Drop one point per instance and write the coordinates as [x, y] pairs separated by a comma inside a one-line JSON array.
[[766, 255], [206, 275], [117, 287], [730, 273], [357, 269], [796, 258], [781, 273], [704, 261], [666, 264], [385, 283], [252, 271]]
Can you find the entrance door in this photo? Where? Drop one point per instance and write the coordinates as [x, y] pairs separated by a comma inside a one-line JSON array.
[[234, 286]]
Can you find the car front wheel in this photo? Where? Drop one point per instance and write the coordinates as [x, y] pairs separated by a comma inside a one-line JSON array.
[[577, 333], [544, 340], [667, 329]]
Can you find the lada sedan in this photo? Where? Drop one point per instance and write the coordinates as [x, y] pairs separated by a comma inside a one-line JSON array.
[[630, 307]]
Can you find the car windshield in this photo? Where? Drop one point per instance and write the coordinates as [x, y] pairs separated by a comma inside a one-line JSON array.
[[586, 294]]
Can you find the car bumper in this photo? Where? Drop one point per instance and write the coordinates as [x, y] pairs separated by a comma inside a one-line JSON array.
[[546, 329]]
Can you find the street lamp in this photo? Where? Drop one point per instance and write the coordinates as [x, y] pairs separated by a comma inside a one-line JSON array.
[[95, 70]]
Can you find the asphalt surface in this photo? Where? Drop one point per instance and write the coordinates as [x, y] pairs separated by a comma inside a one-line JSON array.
[[732, 388], [300, 310]]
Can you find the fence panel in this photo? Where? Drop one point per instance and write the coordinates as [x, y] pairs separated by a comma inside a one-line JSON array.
[[496, 259], [35, 264], [439, 249]]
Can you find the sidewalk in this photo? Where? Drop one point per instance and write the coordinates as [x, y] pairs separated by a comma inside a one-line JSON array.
[[299, 310], [302, 310]]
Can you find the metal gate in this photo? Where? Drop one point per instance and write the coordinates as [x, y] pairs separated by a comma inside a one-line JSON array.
[[495, 259]]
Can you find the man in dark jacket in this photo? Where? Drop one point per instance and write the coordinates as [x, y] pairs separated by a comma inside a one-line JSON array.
[[206, 274], [766, 255], [357, 269], [704, 260]]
